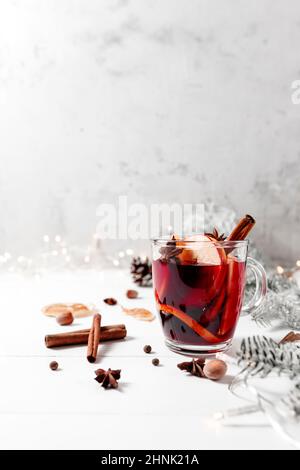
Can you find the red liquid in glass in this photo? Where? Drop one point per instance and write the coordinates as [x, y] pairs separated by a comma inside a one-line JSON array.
[[199, 304]]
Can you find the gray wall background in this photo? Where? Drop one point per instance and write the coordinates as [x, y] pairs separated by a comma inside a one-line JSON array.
[[163, 100]]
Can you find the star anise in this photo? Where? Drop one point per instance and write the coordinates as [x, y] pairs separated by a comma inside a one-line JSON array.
[[170, 250], [194, 367], [215, 234], [108, 378]]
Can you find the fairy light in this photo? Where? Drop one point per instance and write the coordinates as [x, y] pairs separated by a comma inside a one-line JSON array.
[[280, 269], [56, 253], [298, 263]]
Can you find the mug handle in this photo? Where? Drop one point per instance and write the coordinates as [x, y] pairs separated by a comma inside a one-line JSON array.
[[260, 290]]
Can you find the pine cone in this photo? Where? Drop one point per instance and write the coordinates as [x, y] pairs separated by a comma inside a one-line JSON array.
[[141, 271]]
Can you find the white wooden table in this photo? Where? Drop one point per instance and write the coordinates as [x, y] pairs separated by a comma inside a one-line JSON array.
[[154, 407]]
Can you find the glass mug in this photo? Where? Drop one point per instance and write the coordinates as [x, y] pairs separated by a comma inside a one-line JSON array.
[[199, 289]]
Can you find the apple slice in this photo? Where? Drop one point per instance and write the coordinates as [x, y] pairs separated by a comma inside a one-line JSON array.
[[206, 253]]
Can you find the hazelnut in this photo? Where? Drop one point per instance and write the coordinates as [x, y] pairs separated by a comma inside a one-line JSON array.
[[132, 294], [147, 349], [215, 369], [53, 365], [65, 318], [155, 361]]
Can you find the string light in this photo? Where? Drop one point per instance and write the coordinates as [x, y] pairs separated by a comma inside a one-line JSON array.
[[57, 254]]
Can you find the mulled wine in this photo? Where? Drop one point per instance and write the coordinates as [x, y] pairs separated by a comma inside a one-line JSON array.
[[199, 303], [199, 286]]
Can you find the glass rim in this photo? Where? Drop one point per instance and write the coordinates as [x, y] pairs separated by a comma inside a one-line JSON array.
[[222, 243]]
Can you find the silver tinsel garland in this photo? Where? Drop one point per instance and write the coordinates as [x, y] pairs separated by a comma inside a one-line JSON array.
[[282, 301]]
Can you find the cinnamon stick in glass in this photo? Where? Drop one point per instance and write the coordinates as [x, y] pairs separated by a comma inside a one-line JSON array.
[[242, 229], [72, 338]]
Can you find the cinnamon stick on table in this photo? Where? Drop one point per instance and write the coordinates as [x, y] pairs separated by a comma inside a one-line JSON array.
[[94, 338], [242, 229], [108, 333]]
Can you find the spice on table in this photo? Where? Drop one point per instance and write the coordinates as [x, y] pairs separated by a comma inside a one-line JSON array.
[[108, 378], [65, 318], [110, 301], [155, 361], [132, 294], [139, 313], [78, 310], [94, 338], [215, 369], [291, 337], [53, 365], [71, 338], [194, 367], [147, 348]]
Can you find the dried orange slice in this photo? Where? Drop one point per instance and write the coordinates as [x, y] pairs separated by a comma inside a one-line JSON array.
[[78, 310], [139, 313]]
